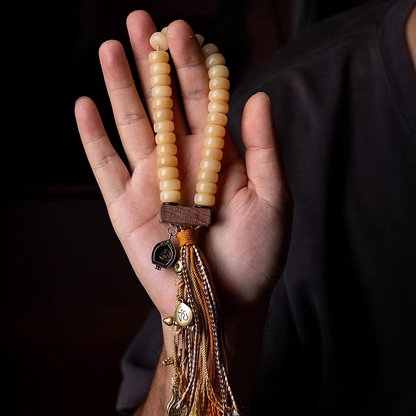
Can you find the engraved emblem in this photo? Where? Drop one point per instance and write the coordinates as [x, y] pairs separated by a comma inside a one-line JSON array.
[[163, 254], [183, 315]]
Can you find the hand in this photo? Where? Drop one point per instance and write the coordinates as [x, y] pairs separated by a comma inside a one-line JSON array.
[[247, 244]]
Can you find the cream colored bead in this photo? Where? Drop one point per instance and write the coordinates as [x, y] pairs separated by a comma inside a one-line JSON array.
[[170, 185], [168, 173], [214, 59], [209, 164], [217, 118], [170, 196], [166, 149], [165, 30], [165, 138], [208, 176], [219, 83], [165, 114], [214, 130], [167, 162], [158, 56], [159, 39], [160, 68], [218, 107], [163, 126], [161, 79], [165, 91], [212, 153], [216, 71], [206, 188], [161, 103], [209, 49], [205, 200], [214, 142], [200, 39], [218, 95]]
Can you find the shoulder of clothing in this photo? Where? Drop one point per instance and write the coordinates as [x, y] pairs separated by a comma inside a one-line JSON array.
[[345, 29]]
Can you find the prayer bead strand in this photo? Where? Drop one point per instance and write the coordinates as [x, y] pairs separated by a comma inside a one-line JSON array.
[[163, 126], [214, 131]]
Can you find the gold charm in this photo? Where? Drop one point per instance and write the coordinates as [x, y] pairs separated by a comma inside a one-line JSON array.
[[172, 400], [170, 408], [183, 314], [166, 362], [183, 411], [169, 321]]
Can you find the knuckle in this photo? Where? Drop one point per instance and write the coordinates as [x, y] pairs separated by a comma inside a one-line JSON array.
[[130, 118], [103, 162], [195, 95]]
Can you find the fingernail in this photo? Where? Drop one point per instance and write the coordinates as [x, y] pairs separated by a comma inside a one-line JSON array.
[[80, 98], [262, 92]]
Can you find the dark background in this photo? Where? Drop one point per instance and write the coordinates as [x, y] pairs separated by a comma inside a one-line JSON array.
[[72, 301]]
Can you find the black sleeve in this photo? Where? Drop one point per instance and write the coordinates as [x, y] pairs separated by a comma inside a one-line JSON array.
[[138, 365]]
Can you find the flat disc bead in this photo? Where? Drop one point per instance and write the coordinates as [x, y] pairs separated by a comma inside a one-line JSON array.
[[159, 39], [160, 79], [200, 39], [218, 107], [158, 56], [206, 200], [215, 71], [214, 142], [214, 59], [212, 153], [160, 68], [165, 91], [209, 164], [214, 130], [170, 196], [209, 49], [167, 162], [208, 176], [161, 103], [163, 126], [206, 188], [217, 95], [164, 114], [217, 118], [166, 149], [165, 138], [219, 83], [170, 185], [168, 173]]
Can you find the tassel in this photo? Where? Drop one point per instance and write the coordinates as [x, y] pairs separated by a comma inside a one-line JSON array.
[[200, 385]]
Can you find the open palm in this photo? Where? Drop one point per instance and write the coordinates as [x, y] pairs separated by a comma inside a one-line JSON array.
[[247, 244]]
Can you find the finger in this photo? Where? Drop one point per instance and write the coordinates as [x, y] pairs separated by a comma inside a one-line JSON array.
[[141, 27], [264, 162], [130, 116], [192, 74], [109, 170]]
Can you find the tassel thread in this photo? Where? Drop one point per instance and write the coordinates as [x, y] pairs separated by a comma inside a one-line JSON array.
[[200, 384]]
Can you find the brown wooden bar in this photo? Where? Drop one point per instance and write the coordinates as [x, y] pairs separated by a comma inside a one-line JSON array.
[[190, 216]]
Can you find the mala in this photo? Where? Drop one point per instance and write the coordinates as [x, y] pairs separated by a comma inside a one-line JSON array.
[[200, 385]]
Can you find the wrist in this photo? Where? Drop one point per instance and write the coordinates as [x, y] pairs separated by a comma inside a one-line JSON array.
[[167, 347]]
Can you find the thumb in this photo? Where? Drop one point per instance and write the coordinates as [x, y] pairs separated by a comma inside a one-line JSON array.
[[264, 164]]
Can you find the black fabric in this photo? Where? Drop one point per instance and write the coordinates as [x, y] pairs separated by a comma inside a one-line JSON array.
[[340, 337]]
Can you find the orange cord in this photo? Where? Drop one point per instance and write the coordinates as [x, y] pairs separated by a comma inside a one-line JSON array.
[[186, 237]]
